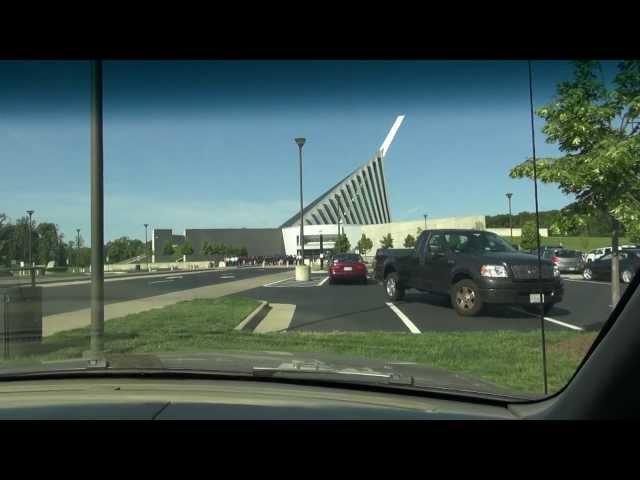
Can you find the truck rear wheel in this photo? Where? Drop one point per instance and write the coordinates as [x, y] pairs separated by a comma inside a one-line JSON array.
[[392, 286], [465, 298]]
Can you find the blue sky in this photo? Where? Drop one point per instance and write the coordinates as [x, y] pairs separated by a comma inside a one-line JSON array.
[[210, 144]]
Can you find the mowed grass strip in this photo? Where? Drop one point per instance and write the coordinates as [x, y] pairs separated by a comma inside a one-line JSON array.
[[506, 358]]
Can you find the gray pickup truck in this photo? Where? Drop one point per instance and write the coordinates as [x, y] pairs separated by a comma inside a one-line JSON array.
[[473, 267]]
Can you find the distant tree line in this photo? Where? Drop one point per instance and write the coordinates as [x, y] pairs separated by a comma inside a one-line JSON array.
[[48, 244], [596, 225]]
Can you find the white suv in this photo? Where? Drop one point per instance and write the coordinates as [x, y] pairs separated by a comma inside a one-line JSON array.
[[599, 252]]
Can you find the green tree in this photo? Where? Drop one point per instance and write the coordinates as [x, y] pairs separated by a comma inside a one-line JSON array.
[[410, 241], [364, 244], [168, 249], [243, 252], [206, 248], [186, 248], [597, 132], [386, 241], [342, 244], [48, 240], [6, 240], [528, 238]]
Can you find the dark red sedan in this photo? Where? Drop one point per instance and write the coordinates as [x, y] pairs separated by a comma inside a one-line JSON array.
[[347, 266]]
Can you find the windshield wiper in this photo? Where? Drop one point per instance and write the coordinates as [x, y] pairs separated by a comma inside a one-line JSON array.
[[303, 368]]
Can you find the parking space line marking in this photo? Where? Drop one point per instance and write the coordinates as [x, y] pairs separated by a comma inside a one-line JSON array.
[[279, 281], [323, 281], [568, 325], [160, 281], [590, 282], [410, 325], [558, 322]]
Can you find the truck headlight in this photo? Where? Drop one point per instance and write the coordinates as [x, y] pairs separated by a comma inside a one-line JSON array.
[[556, 272], [493, 271]]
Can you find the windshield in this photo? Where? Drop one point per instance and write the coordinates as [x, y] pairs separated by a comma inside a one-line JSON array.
[[208, 200], [478, 243]]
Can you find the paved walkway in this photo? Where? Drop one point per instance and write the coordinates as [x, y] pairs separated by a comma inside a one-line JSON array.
[[82, 318]]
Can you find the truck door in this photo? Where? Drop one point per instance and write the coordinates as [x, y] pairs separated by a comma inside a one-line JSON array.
[[436, 264]]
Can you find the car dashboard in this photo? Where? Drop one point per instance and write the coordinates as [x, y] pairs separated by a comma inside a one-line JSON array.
[[188, 399]]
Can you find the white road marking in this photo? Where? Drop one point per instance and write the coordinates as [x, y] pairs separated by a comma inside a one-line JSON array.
[[558, 322], [176, 277], [227, 276], [592, 282], [323, 281], [410, 325], [161, 281], [279, 281]]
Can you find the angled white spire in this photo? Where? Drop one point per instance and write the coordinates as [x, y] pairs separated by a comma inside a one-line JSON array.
[[391, 135]]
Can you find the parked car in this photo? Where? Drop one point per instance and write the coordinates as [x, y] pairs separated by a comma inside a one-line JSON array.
[[597, 253], [600, 269], [347, 266], [565, 260], [472, 267]]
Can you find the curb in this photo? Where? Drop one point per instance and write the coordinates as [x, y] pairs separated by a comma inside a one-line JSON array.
[[263, 304]]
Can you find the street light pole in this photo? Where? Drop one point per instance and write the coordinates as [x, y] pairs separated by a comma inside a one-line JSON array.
[[509, 195], [96, 353], [78, 250], [425, 221], [300, 142], [146, 249], [33, 277], [321, 252]]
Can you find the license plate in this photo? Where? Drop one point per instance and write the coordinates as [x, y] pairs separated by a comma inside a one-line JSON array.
[[536, 297], [348, 269]]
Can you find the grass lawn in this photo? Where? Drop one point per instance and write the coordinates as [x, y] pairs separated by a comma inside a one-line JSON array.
[[506, 358]]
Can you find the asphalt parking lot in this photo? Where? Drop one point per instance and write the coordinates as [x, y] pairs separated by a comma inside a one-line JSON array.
[[322, 307]]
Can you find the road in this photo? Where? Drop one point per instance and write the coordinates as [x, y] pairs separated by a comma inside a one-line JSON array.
[[69, 297], [320, 306], [351, 307]]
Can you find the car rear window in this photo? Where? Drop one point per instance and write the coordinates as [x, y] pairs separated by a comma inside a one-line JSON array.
[[348, 258]]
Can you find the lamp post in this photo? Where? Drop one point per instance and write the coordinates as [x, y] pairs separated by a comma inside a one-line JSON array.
[[146, 249], [509, 195], [425, 221], [78, 250], [33, 277], [96, 352], [321, 252], [300, 142]]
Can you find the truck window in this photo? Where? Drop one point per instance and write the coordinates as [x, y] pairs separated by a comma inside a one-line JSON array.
[[456, 241], [436, 243]]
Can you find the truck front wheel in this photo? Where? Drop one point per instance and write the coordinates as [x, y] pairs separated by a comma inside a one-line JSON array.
[[393, 288], [465, 298]]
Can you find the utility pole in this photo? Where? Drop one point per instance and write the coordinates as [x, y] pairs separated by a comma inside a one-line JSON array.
[[96, 353], [300, 142], [33, 273], [78, 250], [146, 249], [509, 195]]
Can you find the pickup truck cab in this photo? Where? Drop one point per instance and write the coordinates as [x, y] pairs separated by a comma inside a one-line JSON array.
[[473, 267]]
